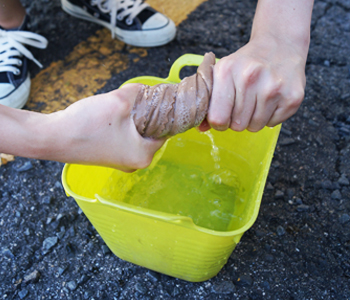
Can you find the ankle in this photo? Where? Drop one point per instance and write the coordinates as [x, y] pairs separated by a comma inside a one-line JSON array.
[[13, 22]]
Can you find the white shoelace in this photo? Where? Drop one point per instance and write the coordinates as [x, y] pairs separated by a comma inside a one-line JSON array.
[[11, 47], [129, 8]]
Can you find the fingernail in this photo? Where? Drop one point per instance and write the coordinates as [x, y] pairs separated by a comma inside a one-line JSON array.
[[221, 128]]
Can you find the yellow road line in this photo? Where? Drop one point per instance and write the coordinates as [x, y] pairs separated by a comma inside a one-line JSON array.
[[177, 10], [92, 63]]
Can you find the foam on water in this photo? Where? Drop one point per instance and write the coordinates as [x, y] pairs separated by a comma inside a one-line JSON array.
[[186, 191], [207, 195]]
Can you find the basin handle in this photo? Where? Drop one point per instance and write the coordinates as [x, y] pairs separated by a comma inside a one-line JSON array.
[[183, 61]]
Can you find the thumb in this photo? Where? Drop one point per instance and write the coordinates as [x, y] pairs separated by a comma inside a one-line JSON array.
[[153, 145], [204, 126]]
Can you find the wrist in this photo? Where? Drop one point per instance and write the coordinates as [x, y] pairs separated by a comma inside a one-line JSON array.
[[285, 21], [41, 136], [289, 45], [45, 136]]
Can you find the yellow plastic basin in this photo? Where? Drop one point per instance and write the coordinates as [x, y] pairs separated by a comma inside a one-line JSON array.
[[165, 242]]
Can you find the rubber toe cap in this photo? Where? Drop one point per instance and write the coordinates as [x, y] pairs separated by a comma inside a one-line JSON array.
[[155, 22]]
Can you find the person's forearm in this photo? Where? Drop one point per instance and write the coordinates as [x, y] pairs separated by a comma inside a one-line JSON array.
[[287, 20], [97, 131], [30, 134]]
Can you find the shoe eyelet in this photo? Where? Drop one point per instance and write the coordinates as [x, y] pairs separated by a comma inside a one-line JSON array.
[[96, 15], [17, 72], [119, 18], [128, 21], [19, 63]]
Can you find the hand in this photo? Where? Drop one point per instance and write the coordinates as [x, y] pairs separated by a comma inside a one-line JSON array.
[[97, 130], [103, 133], [262, 84]]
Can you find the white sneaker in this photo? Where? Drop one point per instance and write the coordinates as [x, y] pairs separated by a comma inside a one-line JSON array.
[[14, 75], [132, 21]]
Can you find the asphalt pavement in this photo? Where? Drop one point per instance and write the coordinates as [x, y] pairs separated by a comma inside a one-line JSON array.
[[299, 247]]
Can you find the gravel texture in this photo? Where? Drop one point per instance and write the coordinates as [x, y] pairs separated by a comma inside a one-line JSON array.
[[299, 247]]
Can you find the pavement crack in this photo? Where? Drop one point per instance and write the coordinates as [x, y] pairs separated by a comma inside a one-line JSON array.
[[326, 9], [345, 8]]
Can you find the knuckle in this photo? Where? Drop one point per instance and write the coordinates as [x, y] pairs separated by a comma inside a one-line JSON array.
[[254, 129], [222, 68], [273, 89], [124, 106], [251, 74], [217, 121], [256, 126], [236, 127], [295, 98], [125, 97], [273, 123]]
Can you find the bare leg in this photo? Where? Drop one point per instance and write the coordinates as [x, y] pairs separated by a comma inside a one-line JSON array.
[[12, 13]]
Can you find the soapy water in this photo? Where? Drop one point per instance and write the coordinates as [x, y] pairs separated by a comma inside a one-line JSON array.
[[182, 190], [209, 198]]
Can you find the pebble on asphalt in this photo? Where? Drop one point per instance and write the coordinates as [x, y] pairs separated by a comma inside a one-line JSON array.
[[287, 141], [47, 200], [336, 195], [344, 218], [269, 187], [154, 276], [7, 252], [286, 131], [245, 280], [105, 249], [224, 287], [343, 180], [23, 293], [61, 270], [303, 207], [259, 233], [327, 184], [32, 277], [280, 231], [140, 288], [25, 167], [72, 285], [298, 201], [279, 194], [49, 243], [176, 291]]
